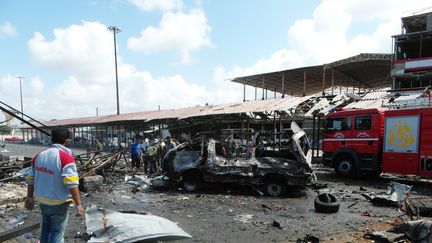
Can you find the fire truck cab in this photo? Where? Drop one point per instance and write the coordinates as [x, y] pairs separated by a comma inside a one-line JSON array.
[[379, 140], [353, 141]]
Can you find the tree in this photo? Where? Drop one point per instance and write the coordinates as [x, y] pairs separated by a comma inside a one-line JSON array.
[[5, 129]]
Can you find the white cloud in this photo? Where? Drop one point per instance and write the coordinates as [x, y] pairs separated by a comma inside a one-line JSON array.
[[84, 53], [34, 97], [327, 36], [279, 60], [86, 50], [36, 84], [178, 32], [7, 30], [164, 5]]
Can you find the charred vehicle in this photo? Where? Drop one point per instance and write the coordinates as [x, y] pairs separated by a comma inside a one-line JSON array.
[[210, 162]]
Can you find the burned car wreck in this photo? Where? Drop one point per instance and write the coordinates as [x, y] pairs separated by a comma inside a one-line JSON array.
[[192, 165]]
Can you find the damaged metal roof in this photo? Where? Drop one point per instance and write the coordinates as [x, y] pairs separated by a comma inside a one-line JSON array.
[[305, 106]]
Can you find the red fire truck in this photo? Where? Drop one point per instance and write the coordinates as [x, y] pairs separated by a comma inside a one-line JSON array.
[[379, 140]]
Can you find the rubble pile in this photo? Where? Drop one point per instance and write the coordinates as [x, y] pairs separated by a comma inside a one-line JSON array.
[[11, 165]]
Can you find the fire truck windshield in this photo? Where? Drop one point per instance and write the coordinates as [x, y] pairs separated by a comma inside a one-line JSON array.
[[338, 124]]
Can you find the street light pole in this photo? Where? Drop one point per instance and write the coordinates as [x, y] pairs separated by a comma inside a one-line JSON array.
[[116, 30], [22, 111]]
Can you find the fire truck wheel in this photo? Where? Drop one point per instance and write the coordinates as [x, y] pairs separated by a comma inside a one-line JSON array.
[[326, 203], [345, 166]]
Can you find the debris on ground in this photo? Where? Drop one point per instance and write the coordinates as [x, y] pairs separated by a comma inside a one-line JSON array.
[[12, 193], [276, 224], [136, 180], [308, 239], [384, 236], [326, 203], [419, 231], [98, 163], [91, 183], [106, 225], [159, 182], [11, 165], [396, 193], [244, 218], [419, 206], [208, 213]]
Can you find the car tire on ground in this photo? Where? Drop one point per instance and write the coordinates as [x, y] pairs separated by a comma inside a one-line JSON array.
[[191, 181], [345, 166], [326, 203], [274, 188]]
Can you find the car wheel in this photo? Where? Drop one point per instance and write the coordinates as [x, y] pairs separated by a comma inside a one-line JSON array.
[[326, 203], [345, 166], [274, 188], [191, 181]]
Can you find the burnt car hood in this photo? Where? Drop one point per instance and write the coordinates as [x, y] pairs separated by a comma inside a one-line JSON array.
[[301, 146]]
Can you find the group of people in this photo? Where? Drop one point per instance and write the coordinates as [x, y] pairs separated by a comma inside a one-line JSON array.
[[150, 153]]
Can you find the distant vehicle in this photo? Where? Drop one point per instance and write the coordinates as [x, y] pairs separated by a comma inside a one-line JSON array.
[[378, 140], [210, 162], [34, 141], [13, 139]]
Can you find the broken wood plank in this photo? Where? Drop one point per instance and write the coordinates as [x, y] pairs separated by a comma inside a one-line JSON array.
[[15, 232]]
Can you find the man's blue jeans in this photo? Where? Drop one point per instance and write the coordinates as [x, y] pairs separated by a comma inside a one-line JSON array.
[[54, 221]]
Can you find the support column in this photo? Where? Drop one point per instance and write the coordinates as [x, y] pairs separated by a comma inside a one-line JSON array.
[[313, 136], [256, 89], [280, 131], [323, 80], [421, 46], [263, 85], [318, 134], [244, 91], [332, 81], [304, 82], [274, 129], [283, 85]]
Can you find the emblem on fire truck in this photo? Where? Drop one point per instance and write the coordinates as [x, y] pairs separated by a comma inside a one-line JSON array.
[[401, 134]]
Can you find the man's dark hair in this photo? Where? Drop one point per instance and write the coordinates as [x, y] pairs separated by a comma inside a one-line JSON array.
[[59, 135]]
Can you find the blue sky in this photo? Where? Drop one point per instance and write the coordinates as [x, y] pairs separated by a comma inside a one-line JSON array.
[[174, 53]]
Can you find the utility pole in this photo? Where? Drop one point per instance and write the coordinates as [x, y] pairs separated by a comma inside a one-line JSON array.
[[116, 30], [22, 111]]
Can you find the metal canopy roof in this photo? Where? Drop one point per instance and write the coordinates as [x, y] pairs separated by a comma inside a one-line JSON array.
[[366, 70]]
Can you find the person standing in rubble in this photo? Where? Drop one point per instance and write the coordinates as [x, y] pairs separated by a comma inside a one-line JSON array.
[[53, 182], [151, 157], [160, 154], [99, 147], [168, 145], [136, 155], [250, 149]]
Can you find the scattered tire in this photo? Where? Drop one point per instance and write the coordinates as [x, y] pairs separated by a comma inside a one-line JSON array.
[[191, 181], [345, 166], [274, 188], [326, 203]]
